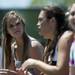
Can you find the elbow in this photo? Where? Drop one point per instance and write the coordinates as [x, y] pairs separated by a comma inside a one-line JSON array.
[[62, 70]]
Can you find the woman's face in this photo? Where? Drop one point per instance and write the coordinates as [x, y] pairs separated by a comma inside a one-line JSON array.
[[71, 17], [14, 26], [46, 26]]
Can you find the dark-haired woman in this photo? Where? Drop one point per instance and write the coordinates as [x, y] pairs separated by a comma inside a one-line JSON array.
[[51, 25]]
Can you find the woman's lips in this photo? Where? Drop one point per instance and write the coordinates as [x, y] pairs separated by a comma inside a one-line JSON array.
[[17, 31]]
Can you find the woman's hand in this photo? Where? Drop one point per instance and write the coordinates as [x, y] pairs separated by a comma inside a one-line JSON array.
[[21, 72], [27, 64]]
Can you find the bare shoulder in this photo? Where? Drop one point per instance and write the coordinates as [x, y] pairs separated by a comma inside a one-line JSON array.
[[36, 46], [66, 39], [35, 42], [67, 35]]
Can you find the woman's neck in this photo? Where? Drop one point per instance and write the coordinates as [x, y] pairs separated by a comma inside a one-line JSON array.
[[19, 41]]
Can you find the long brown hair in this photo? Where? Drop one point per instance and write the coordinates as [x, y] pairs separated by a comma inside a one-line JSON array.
[[58, 13], [7, 38]]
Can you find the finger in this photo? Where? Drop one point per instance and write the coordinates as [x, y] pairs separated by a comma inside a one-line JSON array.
[[22, 68], [26, 72]]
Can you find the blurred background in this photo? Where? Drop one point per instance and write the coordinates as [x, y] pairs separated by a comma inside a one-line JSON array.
[[30, 9]]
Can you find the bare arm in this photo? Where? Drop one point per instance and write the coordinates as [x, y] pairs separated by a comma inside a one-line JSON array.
[[62, 67]]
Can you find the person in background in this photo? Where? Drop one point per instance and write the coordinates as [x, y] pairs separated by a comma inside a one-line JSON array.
[[0, 54], [71, 23], [51, 25], [17, 44]]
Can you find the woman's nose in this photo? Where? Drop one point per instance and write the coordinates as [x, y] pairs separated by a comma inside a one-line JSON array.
[[38, 24], [15, 27]]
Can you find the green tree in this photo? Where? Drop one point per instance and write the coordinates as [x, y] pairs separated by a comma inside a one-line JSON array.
[[53, 2]]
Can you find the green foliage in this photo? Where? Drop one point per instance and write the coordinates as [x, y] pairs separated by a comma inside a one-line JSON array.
[[69, 2], [53, 2]]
